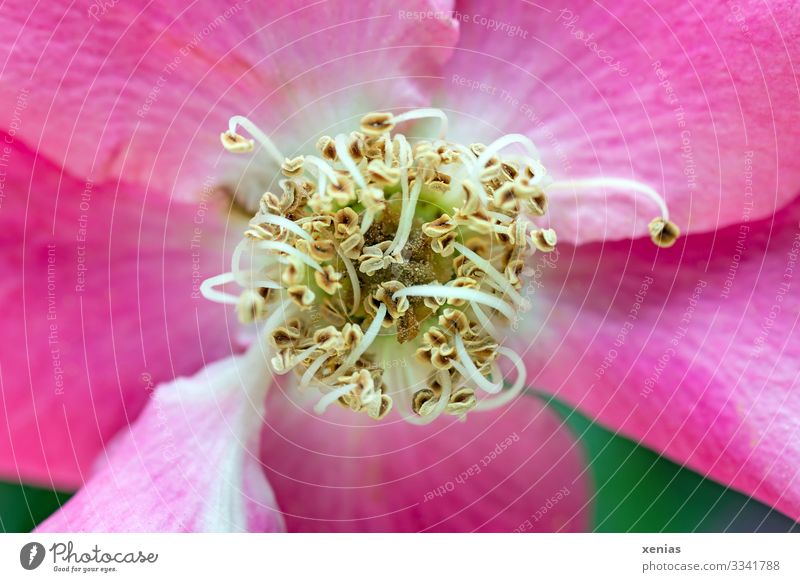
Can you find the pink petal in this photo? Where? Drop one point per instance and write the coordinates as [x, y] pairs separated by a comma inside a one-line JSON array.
[[100, 287], [189, 463], [692, 352], [145, 92], [731, 67], [509, 469]]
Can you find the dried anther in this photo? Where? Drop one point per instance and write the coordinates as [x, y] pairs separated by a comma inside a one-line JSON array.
[[663, 232], [251, 306], [235, 143], [544, 239], [294, 167], [328, 279], [377, 123]]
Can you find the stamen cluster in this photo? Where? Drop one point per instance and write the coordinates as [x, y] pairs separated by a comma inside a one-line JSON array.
[[387, 270]]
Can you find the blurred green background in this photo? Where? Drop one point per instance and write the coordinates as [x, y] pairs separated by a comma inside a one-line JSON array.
[[637, 491]]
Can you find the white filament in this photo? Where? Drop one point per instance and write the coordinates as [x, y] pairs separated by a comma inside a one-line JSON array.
[[369, 216], [289, 250], [496, 275], [406, 218], [309, 374], [504, 142], [323, 168], [297, 359], [236, 259], [623, 183], [262, 138], [273, 320], [404, 197], [404, 156], [265, 283], [465, 293], [286, 224], [468, 157], [207, 289], [351, 273], [344, 155], [425, 113], [324, 171], [332, 397], [504, 218], [366, 341], [388, 157], [237, 271], [468, 369], [484, 320]]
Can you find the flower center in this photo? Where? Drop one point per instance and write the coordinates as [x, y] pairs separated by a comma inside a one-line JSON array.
[[386, 271]]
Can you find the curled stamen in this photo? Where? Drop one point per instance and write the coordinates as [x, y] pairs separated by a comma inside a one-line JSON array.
[[252, 129], [519, 383], [425, 113], [467, 368], [237, 271], [457, 293], [207, 289], [236, 259]]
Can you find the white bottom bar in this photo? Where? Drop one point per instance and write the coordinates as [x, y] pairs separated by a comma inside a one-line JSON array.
[[353, 558]]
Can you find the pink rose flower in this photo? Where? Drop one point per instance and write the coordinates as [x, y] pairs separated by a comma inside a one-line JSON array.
[[122, 212]]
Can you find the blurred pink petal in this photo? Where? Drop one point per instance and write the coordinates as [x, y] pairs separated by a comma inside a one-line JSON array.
[[513, 468], [189, 463], [99, 285], [697, 100], [144, 92], [692, 352]]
